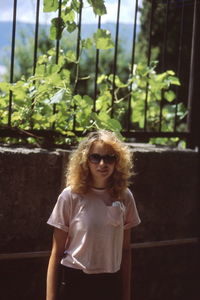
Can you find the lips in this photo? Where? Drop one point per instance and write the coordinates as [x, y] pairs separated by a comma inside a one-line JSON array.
[[102, 170]]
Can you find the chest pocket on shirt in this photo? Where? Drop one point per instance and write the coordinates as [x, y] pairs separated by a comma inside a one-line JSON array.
[[115, 213]]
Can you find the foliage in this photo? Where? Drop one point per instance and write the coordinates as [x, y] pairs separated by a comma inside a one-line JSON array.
[[50, 98], [144, 83], [170, 47], [51, 85]]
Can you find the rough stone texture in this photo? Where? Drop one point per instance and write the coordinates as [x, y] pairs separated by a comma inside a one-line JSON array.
[[30, 181], [166, 189]]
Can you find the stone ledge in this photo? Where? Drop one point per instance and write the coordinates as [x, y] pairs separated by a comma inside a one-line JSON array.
[[142, 147]]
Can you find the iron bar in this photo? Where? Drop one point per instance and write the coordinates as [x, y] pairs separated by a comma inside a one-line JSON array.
[[19, 133], [58, 41], [179, 63], [193, 95], [36, 36], [96, 70], [132, 63], [115, 58], [77, 57], [12, 60], [164, 55], [35, 53], [148, 63], [57, 55], [165, 35], [134, 36], [79, 34], [192, 62]]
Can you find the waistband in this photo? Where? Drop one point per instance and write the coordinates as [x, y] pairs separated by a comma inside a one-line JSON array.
[[72, 272]]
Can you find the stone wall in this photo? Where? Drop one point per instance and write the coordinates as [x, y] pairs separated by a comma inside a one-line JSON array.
[[166, 189], [30, 181]]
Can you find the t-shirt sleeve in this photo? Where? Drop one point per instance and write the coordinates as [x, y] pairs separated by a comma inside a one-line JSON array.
[[132, 218], [60, 215]]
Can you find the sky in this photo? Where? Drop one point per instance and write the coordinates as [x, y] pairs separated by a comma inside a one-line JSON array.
[[26, 11]]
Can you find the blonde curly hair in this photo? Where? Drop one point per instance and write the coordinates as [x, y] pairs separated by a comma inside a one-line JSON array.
[[78, 173]]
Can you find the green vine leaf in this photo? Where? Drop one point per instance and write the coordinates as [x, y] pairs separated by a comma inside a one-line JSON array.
[[57, 26], [37, 117], [71, 27], [87, 43], [103, 116], [88, 100], [68, 15], [98, 6], [71, 56], [118, 82], [103, 120], [169, 96], [174, 80], [114, 125], [103, 39], [4, 86], [50, 5], [75, 4]]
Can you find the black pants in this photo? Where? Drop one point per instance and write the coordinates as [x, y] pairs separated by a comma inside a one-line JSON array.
[[76, 285]]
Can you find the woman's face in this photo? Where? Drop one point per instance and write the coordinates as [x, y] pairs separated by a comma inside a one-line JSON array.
[[101, 162]]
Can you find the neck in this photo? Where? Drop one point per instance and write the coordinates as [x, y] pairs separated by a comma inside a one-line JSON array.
[[101, 185], [98, 188]]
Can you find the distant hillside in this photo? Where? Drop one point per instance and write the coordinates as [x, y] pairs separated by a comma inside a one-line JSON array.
[[125, 33]]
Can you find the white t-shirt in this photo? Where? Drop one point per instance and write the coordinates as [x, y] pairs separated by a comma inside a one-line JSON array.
[[95, 224]]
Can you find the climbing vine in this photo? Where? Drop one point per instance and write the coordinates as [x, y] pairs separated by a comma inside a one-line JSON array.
[[50, 98]]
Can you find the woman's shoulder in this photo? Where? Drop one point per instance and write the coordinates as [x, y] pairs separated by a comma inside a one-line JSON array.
[[128, 196], [128, 193], [67, 193]]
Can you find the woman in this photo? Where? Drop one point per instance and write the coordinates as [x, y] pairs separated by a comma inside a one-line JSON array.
[[92, 220]]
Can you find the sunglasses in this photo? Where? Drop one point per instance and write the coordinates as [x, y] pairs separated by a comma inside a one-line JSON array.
[[108, 158]]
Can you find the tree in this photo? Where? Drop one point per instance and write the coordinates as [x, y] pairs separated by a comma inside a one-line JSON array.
[[24, 52]]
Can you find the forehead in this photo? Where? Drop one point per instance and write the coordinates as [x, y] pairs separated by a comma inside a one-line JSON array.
[[101, 148]]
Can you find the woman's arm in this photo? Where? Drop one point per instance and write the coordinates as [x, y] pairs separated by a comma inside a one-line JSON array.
[[126, 266], [59, 240]]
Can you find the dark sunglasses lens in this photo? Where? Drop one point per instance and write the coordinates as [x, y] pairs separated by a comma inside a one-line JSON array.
[[96, 158], [109, 159]]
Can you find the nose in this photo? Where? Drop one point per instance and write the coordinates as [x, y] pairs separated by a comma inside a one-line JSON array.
[[102, 162]]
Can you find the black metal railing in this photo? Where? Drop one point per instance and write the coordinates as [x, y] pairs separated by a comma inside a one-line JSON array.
[[189, 90]]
